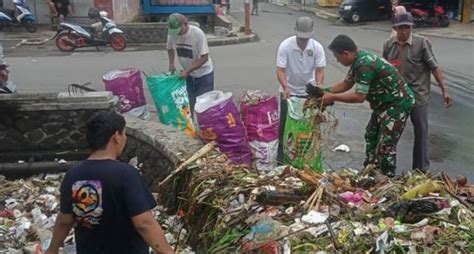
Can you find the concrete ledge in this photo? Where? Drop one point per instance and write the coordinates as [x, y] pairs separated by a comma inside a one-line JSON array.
[[157, 150], [43, 122], [232, 40], [223, 21], [155, 32], [174, 144], [61, 101]]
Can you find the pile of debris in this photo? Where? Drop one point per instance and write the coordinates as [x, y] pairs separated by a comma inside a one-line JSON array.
[[227, 208], [28, 209], [231, 209]]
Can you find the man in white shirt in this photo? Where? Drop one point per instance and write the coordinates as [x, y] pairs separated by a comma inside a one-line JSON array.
[[190, 43], [300, 61]]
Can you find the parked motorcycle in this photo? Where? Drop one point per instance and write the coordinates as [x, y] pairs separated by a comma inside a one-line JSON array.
[[24, 19], [423, 17], [71, 36]]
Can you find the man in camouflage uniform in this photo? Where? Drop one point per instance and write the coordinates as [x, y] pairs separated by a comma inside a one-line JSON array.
[[378, 82]]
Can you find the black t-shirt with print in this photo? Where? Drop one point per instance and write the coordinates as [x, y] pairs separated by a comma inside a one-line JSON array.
[[103, 196]]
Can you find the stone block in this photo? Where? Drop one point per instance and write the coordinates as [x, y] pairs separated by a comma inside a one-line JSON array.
[[49, 121], [35, 136], [150, 32]]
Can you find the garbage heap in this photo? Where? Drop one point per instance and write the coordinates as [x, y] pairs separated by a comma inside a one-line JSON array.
[[28, 210], [227, 208]]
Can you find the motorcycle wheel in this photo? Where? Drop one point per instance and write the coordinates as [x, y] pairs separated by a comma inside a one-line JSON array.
[[118, 41], [64, 41], [31, 26]]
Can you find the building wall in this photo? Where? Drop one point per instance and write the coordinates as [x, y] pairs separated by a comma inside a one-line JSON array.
[[121, 11], [126, 10], [41, 11]]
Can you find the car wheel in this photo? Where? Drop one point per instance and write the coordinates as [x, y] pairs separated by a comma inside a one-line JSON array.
[[355, 17]]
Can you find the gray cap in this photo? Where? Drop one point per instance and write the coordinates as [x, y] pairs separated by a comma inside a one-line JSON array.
[[304, 27], [403, 19]]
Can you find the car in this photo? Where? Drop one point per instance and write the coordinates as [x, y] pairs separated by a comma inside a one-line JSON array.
[[358, 10]]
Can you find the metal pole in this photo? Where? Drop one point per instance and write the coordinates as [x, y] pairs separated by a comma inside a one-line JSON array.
[[247, 17]]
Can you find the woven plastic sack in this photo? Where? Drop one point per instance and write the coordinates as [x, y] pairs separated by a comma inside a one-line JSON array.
[[297, 137], [261, 119], [172, 102], [219, 120], [128, 86]]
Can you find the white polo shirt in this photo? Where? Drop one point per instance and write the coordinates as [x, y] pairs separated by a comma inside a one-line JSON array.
[[300, 65]]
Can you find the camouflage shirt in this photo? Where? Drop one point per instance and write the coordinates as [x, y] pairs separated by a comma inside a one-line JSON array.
[[380, 81]]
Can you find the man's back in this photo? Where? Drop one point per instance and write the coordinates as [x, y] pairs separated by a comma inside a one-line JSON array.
[[103, 195]]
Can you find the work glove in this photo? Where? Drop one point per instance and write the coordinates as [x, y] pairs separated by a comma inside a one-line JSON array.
[[314, 91]]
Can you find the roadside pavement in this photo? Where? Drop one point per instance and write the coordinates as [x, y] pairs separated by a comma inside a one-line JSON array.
[[18, 43], [456, 29]]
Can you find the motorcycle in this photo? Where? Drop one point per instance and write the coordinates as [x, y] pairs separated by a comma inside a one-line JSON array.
[[71, 36], [422, 17], [24, 19]]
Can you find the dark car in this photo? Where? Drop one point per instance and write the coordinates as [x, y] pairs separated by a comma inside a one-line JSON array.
[[358, 10]]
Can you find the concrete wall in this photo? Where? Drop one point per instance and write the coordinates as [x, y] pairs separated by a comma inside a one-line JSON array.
[[41, 10], [158, 150], [145, 32], [120, 10], [126, 10], [35, 122]]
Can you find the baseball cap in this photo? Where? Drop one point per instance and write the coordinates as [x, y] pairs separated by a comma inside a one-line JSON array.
[[304, 27], [404, 18], [175, 22]]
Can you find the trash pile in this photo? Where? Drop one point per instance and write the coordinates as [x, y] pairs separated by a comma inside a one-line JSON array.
[[28, 209], [229, 208]]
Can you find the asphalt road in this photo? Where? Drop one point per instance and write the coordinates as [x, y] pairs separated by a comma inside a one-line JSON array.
[[252, 66]]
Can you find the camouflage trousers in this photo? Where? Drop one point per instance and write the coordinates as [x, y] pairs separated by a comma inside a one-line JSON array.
[[382, 134]]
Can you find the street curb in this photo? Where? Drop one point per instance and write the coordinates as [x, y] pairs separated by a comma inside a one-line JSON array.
[[422, 33], [320, 13], [329, 16], [233, 40], [444, 36]]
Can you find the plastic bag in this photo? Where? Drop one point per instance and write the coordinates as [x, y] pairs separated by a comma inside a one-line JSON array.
[[261, 119], [297, 136], [128, 86], [172, 102], [219, 120]]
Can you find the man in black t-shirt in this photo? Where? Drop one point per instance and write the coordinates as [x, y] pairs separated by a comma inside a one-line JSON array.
[[60, 8], [107, 200]]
